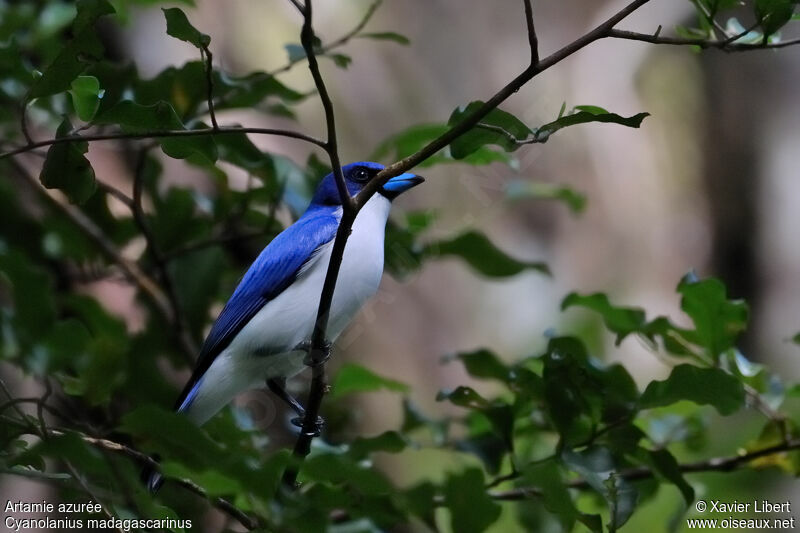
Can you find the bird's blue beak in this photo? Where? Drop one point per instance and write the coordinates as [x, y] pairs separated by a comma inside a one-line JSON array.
[[400, 184]]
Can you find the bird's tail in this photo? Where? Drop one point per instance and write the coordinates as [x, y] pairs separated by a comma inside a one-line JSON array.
[[151, 477]]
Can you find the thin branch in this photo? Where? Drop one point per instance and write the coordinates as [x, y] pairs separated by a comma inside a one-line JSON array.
[[468, 122], [299, 6], [717, 464], [533, 40], [319, 350], [131, 270], [144, 460], [213, 241], [711, 18], [116, 193], [223, 130], [331, 144], [181, 329], [341, 41], [207, 57], [726, 45]]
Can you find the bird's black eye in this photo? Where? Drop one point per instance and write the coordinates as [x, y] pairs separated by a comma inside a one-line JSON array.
[[361, 174]]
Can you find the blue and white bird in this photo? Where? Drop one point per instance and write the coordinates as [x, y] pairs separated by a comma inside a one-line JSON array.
[[260, 333]]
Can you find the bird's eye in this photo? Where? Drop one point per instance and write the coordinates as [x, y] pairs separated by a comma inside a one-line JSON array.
[[361, 175]]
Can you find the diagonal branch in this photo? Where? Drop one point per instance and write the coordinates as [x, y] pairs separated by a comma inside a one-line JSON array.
[[145, 283], [140, 458]]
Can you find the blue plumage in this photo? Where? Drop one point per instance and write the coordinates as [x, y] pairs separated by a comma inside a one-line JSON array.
[[274, 269], [273, 309]]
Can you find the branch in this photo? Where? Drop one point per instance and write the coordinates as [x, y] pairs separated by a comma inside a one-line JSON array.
[[222, 130], [144, 460], [717, 464], [331, 144], [131, 270], [319, 350], [179, 318], [466, 124], [205, 54], [726, 45], [341, 41]]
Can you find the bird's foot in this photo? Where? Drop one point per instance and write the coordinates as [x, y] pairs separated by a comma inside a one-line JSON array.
[[317, 357], [316, 431]]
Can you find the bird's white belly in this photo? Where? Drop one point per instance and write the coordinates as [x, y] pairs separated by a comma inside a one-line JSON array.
[[264, 347]]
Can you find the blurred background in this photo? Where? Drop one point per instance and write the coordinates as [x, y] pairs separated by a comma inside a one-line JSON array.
[[708, 183]]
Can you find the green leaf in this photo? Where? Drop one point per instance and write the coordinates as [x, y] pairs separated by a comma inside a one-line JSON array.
[[585, 115], [471, 508], [340, 60], [463, 397], [774, 14], [389, 441], [160, 117], [504, 130], [86, 95], [386, 36], [522, 189], [796, 338], [479, 253], [414, 138], [621, 320], [665, 464], [178, 26], [717, 320], [545, 476], [67, 169], [353, 378], [596, 466], [173, 436], [484, 364], [84, 48], [704, 386]]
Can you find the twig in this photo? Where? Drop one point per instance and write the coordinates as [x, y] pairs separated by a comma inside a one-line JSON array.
[[181, 329], [331, 144], [533, 40], [727, 45], [145, 460], [116, 193], [222, 130], [717, 464], [319, 350], [468, 122], [207, 57], [711, 18], [341, 41], [213, 241], [131, 270]]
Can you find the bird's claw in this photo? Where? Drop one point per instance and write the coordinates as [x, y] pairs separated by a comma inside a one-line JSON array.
[[319, 357], [318, 425]]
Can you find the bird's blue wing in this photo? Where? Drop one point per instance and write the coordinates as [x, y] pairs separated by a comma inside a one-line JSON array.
[[275, 269]]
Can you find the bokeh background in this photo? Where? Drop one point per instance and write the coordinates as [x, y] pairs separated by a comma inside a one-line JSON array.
[[708, 183]]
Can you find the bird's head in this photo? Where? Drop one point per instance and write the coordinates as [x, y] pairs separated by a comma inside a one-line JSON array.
[[356, 176]]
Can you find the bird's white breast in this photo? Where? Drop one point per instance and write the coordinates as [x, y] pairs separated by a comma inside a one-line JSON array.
[[264, 347]]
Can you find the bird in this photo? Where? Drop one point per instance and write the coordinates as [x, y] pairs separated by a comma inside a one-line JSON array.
[[262, 333]]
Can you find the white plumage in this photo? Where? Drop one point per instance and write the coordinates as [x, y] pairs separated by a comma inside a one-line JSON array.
[[288, 320]]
